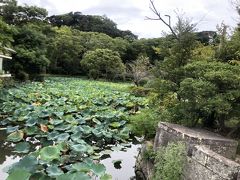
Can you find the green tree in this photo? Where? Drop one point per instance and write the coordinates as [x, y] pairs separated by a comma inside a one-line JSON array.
[[103, 63], [12, 13], [68, 46], [30, 44], [191, 87], [65, 51], [6, 33], [145, 47]]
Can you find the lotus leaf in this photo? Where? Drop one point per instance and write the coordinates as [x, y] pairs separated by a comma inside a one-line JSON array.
[[63, 127], [16, 136], [63, 146], [82, 167], [59, 114], [115, 124], [28, 163], [73, 176], [106, 152], [49, 153], [56, 121], [98, 169], [97, 133], [11, 129], [53, 135], [63, 137], [19, 174], [54, 171], [32, 130], [79, 148], [22, 147], [31, 122], [77, 137], [86, 129], [106, 177]]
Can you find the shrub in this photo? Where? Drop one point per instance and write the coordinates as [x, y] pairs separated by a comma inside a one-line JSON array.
[[6, 82], [139, 91], [144, 123], [149, 154], [170, 162]]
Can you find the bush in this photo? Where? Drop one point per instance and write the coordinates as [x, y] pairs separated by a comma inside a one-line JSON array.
[[149, 154], [103, 63], [6, 82], [144, 123], [139, 91], [170, 162]]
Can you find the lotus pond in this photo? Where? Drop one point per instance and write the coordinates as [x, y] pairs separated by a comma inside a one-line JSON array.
[[67, 128]]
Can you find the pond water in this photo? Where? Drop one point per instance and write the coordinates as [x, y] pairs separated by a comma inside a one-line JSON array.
[[121, 171], [125, 170], [7, 157]]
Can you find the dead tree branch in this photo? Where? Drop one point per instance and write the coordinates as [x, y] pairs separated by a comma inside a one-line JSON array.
[[159, 17]]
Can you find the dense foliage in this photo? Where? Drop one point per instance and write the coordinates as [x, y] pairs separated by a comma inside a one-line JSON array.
[[144, 123], [62, 130], [6, 33], [195, 87], [31, 50], [90, 23], [103, 63]]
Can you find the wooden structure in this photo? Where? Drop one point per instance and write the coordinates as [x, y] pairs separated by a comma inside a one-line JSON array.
[[2, 57]]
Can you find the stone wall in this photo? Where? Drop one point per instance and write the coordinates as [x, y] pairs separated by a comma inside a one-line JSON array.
[[210, 156], [205, 164], [167, 132]]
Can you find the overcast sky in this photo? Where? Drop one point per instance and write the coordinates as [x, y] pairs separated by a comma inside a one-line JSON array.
[[130, 14]]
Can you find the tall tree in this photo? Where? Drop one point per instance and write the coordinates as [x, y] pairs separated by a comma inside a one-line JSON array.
[[13, 13], [30, 44], [65, 51]]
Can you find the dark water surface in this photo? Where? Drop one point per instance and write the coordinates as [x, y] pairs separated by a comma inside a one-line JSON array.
[[124, 170]]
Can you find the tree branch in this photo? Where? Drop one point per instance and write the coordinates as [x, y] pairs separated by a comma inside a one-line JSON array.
[[159, 17]]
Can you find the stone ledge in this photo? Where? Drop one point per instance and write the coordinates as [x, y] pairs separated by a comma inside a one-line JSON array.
[[168, 132], [196, 134]]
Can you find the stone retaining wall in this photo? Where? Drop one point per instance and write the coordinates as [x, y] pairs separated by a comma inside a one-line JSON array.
[[210, 156], [167, 132], [205, 164]]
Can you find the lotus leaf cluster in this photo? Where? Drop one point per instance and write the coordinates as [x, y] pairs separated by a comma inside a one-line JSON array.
[[63, 126]]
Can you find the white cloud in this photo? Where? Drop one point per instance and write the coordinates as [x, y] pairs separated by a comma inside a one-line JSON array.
[[130, 14]]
